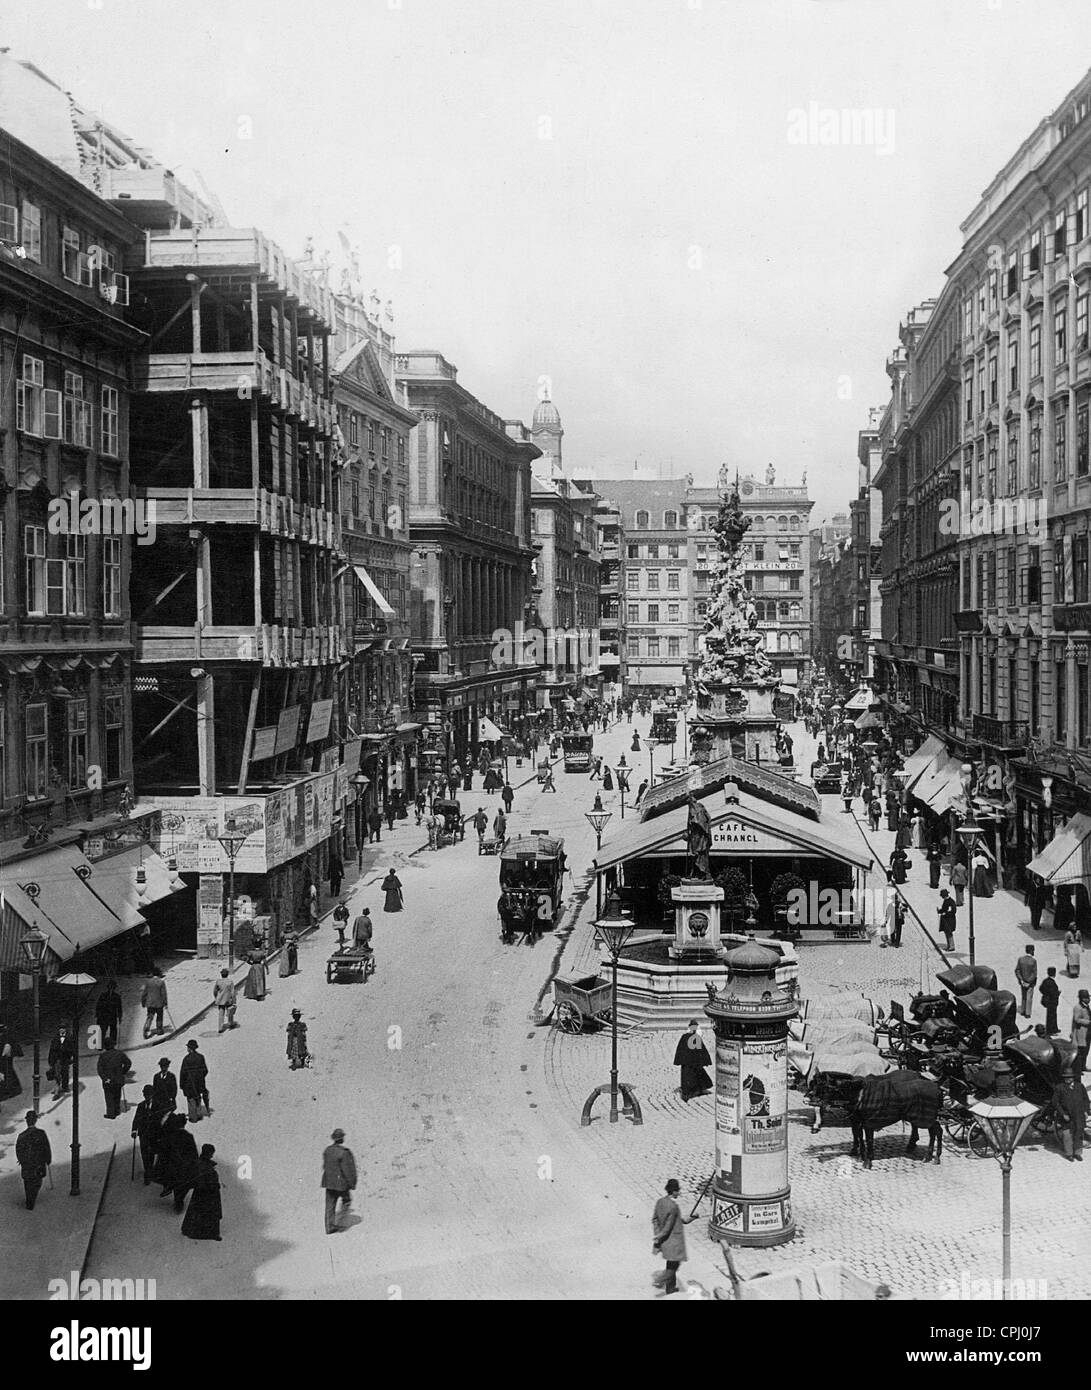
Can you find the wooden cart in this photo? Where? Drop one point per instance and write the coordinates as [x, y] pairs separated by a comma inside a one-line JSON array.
[[580, 999], [349, 965]]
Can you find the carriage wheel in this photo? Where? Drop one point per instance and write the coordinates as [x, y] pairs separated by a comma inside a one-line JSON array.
[[569, 1019], [978, 1140], [957, 1127]]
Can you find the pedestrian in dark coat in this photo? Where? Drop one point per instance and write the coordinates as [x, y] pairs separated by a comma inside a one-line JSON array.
[[205, 1208], [946, 913], [1036, 899], [935, 861], [875, 812], [375, 827], [668, 1236], [1070, 1098], [507, 796], [296, 1047], [193, 1079], [1049, 991], [113, 1067], [337, 873], [899, 863], [362, 928], [33, 1155], [108, 1014], [62, 1053], [607, 779], [164, 1087], [390, 815], [692, 1056], [145, 1132], [959, 879], [178, 1152], [338, 1178], [480, 823], [636, 749], [892, 810], [392, 887]]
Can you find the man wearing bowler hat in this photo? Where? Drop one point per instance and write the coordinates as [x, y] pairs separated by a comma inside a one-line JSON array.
[[338, 1178]]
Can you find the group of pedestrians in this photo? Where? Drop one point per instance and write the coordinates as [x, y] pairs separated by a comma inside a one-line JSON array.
[[168, 1150]]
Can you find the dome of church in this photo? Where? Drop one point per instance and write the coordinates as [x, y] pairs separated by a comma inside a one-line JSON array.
[[545, 413]]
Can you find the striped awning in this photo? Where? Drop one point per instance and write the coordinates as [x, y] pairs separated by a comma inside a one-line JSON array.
[[1067, 857]]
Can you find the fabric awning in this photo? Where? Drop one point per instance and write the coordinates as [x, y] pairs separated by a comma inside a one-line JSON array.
[[869, 721], [925, 755], [1067, 857], [940, 784], [488, 730], [373, 590], [114, 882], [66, 909], [863, 699]]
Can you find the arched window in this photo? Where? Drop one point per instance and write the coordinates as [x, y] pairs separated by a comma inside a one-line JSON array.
[[642, 519], [704, 521], [759, 522], [670, 521], [795, 613], [782, 523], [783, 641], [784, 612], [796, 642], [794, 523]]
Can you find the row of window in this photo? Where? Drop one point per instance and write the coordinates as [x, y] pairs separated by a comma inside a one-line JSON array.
[[57, 586], [652, 552], [776, 553], [361, 429], [643, 522], [981, 460], [651, 580], [49, 413], [79, 258], [41, 754], [988, 365], [379, 504], [673, 612], [654, 646]]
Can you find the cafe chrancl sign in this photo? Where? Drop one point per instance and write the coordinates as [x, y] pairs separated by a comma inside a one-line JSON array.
[[736, 837]]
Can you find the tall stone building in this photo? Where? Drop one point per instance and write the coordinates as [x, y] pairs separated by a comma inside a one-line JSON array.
[[469, 514]]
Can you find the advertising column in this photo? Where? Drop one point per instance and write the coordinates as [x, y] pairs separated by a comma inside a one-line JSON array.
[[751, 1196]]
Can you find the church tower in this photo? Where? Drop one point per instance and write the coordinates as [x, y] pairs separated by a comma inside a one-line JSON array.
[[546, 432]]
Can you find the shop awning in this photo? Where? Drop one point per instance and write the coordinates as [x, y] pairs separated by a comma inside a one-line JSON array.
[[862, 700], [488, 730], [868, 721], [940, 784], [65, 909], [925, 755], [373, 590], [113, 880], [752, 827], [1067, 857]]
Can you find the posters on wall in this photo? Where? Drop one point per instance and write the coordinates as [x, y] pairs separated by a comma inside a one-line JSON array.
[[318, 726], [210, 910], [288, 729], [763, 1096], [265, 743]]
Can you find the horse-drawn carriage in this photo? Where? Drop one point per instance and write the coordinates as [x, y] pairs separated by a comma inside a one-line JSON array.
[[577, 752], [531, 883], [451, 825]]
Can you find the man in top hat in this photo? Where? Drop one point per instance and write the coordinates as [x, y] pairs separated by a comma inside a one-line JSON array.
[[33, 1155]]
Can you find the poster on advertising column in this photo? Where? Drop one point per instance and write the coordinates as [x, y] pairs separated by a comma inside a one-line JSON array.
[[728, 1134], [764, 1096]]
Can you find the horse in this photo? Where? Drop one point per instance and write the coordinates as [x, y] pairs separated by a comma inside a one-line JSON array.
[[900, 1095]]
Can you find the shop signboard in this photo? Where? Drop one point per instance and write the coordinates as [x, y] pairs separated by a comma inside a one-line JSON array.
[[318, 726], [265, 743], [210, 910], [288, 729]]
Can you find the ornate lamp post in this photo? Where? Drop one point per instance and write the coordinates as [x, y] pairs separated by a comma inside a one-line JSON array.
[[361, 782], [81, 986], [651, 744], [1005, 1118], [231, 841], [622, 775], [968, 833], [598, 821], [612, 930], [34, 943]]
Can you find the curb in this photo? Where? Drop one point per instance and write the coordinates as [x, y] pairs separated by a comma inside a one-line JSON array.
[[908, 905], [98, 1209]]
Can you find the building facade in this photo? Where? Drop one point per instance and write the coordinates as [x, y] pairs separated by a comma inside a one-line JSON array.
[[613, 661], [469, 514]]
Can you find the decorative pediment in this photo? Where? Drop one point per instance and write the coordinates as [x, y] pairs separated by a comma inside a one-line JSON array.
[[359, 366]]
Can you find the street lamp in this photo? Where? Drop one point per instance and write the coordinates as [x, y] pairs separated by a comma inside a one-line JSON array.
[[651, 744], [622, 774], [1004, 1117], [598, 821], [232, 841], [968, 833], [34, 943], [76, 980], [612, 931], [361, 782]]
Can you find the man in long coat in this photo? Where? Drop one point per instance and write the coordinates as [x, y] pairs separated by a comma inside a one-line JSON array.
[[668, 1237], [108, 1013], [193, 1076], [692, 1056], [178, 1150], [338, 1178], [113, 1067], [33, 1155]]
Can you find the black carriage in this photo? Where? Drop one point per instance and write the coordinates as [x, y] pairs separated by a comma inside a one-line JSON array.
[[531, 883], [1040, 1064], [577, 752], [451, 825]]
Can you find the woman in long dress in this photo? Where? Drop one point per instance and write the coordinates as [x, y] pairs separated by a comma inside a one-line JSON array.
[[202, 1221], [1072, 952], [289, 957], [297, 1041], [918, 831], [982, 883], [391, 886], [255, 979], [9, 1080]]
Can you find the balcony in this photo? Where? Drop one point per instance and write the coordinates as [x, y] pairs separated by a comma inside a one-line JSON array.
[[232, 506], [1001, 733], [269, 644], [1072, 617]]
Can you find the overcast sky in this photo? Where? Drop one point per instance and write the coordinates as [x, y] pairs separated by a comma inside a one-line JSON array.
[[618, 195]]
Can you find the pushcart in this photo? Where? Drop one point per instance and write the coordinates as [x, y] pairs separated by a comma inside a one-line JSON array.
[[350, 965], [579, 1000]]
